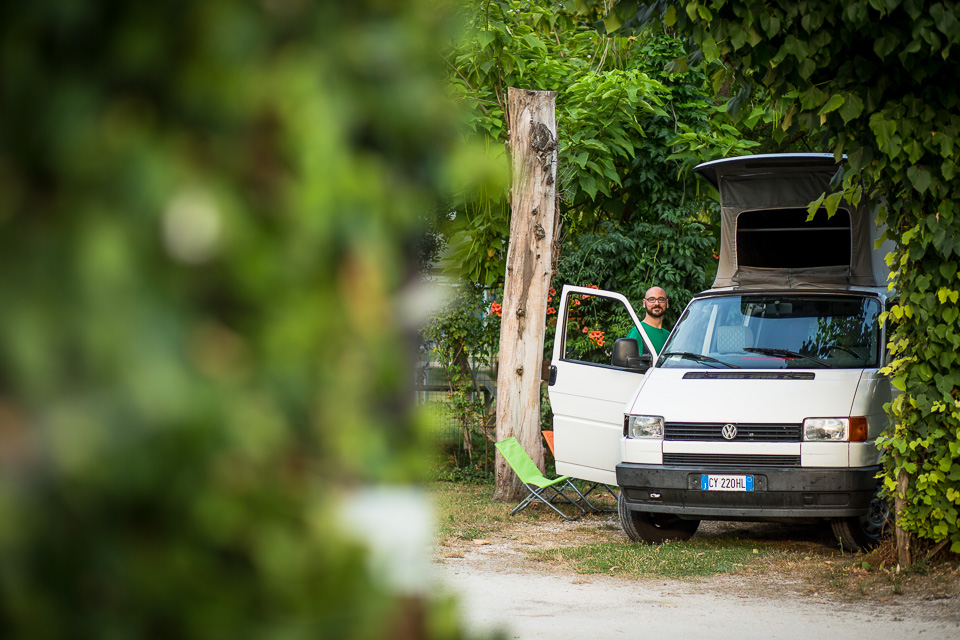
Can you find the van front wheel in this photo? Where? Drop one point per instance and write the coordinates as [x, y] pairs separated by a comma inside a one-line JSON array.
[[862, 533], [654, 528]]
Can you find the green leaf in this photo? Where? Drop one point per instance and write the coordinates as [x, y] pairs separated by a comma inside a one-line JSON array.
[[534, 42], [945, 20], [677, 65], [812, 98], [855, 158], [919, 178], [948, 169], [914, 8], [892, 146], [885, 44], [882, 128], [770, 24], [670, 16], [710, 50], [589, 184], [611, 23], [626, 8], [945, 294], [851, 108], [814, 206], [946, 142], [484, 38], [831, 203], [834, 103]]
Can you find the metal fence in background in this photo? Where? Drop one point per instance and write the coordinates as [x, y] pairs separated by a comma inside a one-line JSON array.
[[446, 431]]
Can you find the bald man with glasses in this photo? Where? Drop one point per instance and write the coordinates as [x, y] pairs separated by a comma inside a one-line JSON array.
[[655, 304]]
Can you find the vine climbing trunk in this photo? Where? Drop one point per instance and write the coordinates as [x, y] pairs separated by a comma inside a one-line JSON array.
[[904, 555], [533, 211]]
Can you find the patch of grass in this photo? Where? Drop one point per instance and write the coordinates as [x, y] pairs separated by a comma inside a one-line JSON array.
[[467, 511], [689, 559]]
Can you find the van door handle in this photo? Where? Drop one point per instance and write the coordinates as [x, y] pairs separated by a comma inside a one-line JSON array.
[[553, 375]]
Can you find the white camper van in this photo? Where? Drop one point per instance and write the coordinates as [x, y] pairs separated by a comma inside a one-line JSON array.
[[766, 400]]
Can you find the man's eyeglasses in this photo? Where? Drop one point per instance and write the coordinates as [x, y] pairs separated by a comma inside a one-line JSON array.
[[652, 300]]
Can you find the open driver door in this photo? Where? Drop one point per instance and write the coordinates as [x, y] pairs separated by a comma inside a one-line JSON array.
[[588, 393]]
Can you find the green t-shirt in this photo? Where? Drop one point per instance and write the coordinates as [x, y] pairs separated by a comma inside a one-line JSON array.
[[657, 336]]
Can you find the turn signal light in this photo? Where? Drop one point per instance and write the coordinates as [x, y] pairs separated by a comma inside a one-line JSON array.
[[858, 429]]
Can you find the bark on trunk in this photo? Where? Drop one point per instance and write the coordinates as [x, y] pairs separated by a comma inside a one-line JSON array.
[[533, 150]]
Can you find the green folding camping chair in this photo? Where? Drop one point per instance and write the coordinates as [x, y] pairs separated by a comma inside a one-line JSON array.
[[540, 488]]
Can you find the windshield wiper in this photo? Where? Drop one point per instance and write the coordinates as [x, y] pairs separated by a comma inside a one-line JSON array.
[[775, 351], [698, 357]]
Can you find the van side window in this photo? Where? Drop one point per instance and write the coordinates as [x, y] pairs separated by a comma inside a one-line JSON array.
[[781, 238]]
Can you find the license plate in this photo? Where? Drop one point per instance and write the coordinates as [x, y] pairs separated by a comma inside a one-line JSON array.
[[726, 483]]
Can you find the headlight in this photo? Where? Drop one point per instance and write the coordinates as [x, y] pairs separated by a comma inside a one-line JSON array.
[[826, 429], [644, 427]]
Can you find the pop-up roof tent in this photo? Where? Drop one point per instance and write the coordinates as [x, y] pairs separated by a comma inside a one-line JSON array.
[[765, 238]]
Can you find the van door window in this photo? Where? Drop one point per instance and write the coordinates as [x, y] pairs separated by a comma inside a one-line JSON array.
[[594, 323]]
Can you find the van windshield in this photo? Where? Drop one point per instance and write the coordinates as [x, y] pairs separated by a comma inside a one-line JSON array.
[[766, 331]]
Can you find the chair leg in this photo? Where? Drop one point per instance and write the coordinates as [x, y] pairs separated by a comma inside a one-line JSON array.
[[582, 496], [536, 493], [523, 504], [590, 489], [565, 500]]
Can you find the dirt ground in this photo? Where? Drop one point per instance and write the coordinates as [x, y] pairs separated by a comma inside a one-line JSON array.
[[502, 587]]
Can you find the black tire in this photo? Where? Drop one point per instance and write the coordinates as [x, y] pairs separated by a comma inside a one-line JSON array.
[[653, 528], [864, 532]]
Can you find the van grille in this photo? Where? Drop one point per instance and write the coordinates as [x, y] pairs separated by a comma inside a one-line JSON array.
[[711, 432], [724, 460]]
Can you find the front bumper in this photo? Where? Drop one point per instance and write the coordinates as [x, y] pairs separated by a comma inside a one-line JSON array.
[[793, 492]]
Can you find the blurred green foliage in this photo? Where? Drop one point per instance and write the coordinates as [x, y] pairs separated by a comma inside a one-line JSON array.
[[207, 210]]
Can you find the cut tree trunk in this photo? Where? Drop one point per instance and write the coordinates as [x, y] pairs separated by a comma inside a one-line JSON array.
[[533, 150]]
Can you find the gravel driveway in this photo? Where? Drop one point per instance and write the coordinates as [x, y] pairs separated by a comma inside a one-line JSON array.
[[500, 588]]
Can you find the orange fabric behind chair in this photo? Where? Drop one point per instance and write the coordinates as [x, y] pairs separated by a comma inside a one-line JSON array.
[[548, 436]]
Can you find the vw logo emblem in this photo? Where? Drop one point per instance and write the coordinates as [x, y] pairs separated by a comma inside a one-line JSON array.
[[729, 431]]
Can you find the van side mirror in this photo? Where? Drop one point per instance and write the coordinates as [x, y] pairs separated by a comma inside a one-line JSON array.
[[626, 355]]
